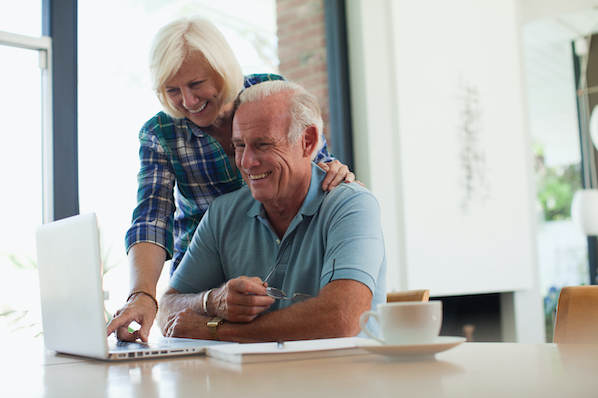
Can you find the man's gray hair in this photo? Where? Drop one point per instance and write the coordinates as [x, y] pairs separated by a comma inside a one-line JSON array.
[[304, 109]]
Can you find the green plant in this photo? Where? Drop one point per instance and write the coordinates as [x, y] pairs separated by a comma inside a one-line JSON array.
[[555, 186], [18, 319]]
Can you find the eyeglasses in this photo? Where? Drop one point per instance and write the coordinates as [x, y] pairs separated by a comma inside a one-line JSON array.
[[279, 294], [277, 262]]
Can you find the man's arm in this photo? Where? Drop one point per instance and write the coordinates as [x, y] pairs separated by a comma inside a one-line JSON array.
[[238, 300], [146, 261], [333, 313]]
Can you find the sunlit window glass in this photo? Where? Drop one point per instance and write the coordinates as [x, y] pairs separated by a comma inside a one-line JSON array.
[[21, 198], [23, 17], [561, 246]]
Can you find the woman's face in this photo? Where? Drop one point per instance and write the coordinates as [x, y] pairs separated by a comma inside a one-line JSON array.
[[195, 91]]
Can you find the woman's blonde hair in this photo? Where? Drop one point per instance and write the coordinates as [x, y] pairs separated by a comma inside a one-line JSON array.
[[179, 39]]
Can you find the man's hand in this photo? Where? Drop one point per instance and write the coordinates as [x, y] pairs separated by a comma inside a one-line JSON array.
[[141, 309], [240, 300], [336, 173], [187, 324]]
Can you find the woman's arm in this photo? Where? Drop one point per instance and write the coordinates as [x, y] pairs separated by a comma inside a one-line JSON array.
[[146, 261]]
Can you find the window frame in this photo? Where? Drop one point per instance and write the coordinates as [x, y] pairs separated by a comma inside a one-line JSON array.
[[43, 45]]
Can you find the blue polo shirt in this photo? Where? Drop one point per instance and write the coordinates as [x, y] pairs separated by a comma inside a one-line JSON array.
[[234, 238]]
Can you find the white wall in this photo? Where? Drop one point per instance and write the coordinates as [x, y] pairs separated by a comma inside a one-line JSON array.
[[531, 10], [410, 69], [374, 122]]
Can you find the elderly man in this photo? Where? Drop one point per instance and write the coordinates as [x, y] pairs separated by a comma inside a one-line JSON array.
[[279, 259]]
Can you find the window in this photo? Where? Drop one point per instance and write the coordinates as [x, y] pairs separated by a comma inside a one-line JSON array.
[[22, 17], [562, 247], [21, 210]]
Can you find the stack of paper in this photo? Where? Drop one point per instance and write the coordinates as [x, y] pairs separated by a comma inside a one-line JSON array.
[[289, 350]]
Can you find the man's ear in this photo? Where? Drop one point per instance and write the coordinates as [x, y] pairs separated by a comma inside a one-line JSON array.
[[310, 140]]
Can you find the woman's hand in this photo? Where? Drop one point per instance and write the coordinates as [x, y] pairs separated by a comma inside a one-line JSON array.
[[336, 173], [140, 309]]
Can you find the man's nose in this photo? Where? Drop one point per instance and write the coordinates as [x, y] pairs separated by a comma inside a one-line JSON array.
[[249, 158]]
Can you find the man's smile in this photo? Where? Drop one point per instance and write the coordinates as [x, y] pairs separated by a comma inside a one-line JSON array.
[[259, 176]]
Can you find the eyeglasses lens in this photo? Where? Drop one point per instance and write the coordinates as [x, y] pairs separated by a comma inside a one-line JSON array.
[[300, 297], [275, 293], [280, 295]]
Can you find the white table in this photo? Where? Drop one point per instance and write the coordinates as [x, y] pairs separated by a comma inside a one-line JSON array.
[[479, 370]]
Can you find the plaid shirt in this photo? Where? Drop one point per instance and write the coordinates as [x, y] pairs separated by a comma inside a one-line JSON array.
[[182, 171]]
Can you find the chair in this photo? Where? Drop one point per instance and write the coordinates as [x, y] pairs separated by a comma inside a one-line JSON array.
[[577, 315], [408, 295]]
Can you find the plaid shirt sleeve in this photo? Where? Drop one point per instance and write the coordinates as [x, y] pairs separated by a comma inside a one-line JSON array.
[[153, 216]]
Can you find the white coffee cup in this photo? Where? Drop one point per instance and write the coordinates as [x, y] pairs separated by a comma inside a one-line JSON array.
[[408, 322]]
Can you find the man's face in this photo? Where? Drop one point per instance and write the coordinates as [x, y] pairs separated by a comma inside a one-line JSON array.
[[275, 170]]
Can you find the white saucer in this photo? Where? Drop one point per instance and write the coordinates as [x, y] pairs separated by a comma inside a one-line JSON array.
[[415, 351]]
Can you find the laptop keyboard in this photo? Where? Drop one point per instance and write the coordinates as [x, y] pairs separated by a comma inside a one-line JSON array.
[[132, 345]]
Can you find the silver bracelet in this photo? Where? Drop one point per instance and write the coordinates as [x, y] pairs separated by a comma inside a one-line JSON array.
[[204, 303]]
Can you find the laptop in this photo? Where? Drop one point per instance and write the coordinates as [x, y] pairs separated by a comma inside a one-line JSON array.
[[72, 297]]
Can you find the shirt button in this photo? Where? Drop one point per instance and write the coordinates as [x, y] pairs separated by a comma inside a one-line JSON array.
[[278, 241]]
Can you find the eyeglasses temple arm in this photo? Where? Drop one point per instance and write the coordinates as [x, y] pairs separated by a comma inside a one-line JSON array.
[[277, 261]]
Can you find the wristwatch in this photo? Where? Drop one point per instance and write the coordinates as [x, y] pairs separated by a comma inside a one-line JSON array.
[[213, 327]]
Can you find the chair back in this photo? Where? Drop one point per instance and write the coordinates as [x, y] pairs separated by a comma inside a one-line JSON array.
[[408, 295], [577, 315]]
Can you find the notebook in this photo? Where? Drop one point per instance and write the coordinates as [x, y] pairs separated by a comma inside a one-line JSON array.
[[288, 350], [72, 297]]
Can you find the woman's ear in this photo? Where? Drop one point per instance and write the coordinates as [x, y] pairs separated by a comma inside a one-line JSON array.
[[310, 140]]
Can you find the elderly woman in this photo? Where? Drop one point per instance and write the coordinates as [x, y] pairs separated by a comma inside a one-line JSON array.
[[186, 157]]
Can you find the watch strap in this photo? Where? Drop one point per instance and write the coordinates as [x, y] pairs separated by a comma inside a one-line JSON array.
[[213, 327]]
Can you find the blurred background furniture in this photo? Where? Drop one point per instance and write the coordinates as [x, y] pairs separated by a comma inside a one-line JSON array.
[[577, 315], [408, 295]]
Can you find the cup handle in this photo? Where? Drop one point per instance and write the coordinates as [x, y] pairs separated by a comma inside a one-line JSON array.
[[362, 321]]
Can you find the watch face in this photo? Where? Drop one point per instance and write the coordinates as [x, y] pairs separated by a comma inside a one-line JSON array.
[[213, 327]]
